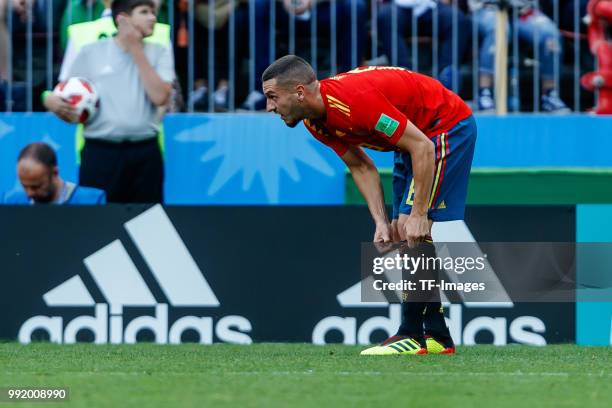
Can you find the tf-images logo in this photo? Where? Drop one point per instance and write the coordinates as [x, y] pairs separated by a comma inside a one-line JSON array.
[[519, 329]]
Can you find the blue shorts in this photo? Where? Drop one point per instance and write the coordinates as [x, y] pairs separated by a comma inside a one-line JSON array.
[[454, 153]]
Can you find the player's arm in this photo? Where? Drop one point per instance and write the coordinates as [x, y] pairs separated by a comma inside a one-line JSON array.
[[422, 155], [366, 177], [421, 151]]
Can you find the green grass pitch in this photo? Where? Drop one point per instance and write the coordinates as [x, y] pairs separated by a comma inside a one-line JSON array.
[[296, 375]]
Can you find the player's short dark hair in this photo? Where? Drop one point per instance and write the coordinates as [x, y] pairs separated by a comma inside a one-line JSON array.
[[40, 152], [290, 70], [126, 6]]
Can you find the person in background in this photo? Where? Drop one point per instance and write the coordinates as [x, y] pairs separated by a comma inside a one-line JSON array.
[[4, 40], [134, 79], [42, 184], [303, 12], [566, 13], [217, 22], [81, 11], [85, 32], [531, 24], [24, 68], [4, 46], [424, 12]]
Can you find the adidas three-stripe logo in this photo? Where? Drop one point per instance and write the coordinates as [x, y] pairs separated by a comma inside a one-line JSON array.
[[123, 286]]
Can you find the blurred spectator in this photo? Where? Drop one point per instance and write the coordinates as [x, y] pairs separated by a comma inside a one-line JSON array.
[[567, 17], [302, 10], [84, 33], [36, 11], [600, 81], [39, 176], [4, 41], [423, 11], [531, 24], [133, 78], [80, 11], [81, 34], [566, 13], [216, 21], [4, 45]]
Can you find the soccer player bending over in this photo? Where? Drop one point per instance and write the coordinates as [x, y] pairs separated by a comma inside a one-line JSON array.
[[432, 134]]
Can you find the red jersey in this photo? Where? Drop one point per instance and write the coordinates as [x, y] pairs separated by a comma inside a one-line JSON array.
[[371, 106]]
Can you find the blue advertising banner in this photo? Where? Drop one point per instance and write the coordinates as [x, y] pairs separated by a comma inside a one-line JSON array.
[[173, 274], [248, 158], [255, 159], [543, 141]]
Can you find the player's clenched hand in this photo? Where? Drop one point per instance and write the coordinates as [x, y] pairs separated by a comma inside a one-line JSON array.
[[383, 232], [416, 228], [61, 108], [395, 235]]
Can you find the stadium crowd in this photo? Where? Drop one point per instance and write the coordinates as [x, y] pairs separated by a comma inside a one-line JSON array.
[[347, 33]]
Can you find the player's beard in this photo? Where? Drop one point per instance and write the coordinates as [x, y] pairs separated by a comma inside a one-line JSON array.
[[296, 117], [293, 123]]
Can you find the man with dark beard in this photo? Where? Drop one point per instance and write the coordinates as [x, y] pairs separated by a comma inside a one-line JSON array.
[[39, 176]]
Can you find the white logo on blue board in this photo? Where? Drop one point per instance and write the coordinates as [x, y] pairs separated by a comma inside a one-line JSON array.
[[5, 129], [51, 142], [256, 153]]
